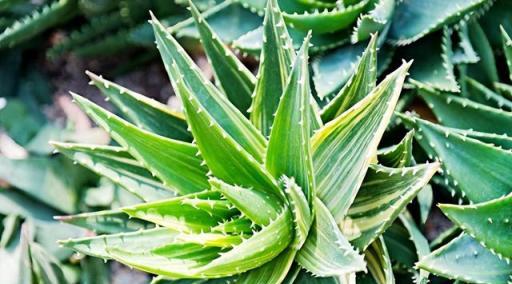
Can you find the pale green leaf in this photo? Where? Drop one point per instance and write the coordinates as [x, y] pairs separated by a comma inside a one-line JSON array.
[[276, 58], [301, 211], [383, 195], [399, 155], [259, 207], [107, 221], [360, 84], [379, 263], [139, 241], [344, 148], [326, 251], [291, 124]]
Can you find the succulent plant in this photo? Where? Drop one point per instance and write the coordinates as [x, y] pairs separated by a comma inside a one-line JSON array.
[[473, 146], [253, 181]]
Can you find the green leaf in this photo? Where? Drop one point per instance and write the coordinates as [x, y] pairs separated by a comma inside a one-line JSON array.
[[291, 124], [139, 241], [326, 21], [341, 162], [10, 225], [229, 20], [45, 267], [420, 242], [262, 247], [302, 215], [326, 251], [117, 165], [496, 140], [230, 145], [358, 86], [240, 225], [277, 55], [196, 212], [466, 260], [37, 22], [374, 21], [273, 271], [379, 263], [434, 68], [234, 78], [146, 113], [107, 221], [190, 84], [488, 222], [399, 155], [479, 93], [462, 162], [413, 19], [464, 53], [485, 69], [503, 89], [507, 49], [255, 205], [382, 197], [454, 111], [163, 157]]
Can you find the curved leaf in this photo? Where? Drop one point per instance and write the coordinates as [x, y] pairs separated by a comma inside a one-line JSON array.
[[462, 259], [489, 222], [384, 194], [399, 155], [326, 21], [414, 19], [462, 163]]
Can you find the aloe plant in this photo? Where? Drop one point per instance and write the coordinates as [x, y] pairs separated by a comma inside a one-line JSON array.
[[253, 181], [473, 145]]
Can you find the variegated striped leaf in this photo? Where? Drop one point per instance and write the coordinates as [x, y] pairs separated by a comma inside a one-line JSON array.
[[165, 158], [384, 194], [344, 148]]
